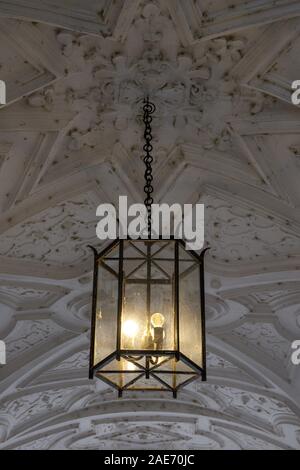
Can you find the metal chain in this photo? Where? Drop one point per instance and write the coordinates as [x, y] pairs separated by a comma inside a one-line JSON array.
[[149, 108]]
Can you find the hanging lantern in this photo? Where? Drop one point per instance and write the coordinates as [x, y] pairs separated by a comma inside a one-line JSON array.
[[148, 311]]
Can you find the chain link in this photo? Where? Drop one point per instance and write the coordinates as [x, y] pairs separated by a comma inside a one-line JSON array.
[[149, 108]]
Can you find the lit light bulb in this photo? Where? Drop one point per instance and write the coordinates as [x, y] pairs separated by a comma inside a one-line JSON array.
[[157, 320], [130, 328], [157, 331]]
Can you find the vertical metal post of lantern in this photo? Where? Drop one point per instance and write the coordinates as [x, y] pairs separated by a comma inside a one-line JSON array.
[[176, 299], [94, 301], [148, 303], [120, 298], [203, 321]]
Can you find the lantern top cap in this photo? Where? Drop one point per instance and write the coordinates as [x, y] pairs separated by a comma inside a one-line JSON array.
[[104, 252]]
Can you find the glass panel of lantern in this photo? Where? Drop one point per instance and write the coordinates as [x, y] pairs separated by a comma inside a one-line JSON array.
[[148, 296], [191, 300], [105, 293]]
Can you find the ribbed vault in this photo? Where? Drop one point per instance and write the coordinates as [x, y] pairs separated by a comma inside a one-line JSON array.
[[226, 134]]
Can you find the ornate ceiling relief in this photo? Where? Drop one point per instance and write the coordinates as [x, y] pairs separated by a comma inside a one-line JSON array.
[[226, 135]]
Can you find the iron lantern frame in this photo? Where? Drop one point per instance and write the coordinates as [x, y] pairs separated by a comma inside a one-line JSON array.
[[149, 370]]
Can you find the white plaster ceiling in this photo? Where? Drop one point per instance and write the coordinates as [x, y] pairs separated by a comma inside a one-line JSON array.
[[225, 134]]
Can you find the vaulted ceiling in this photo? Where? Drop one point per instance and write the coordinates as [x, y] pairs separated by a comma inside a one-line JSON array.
[[225, 134]]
